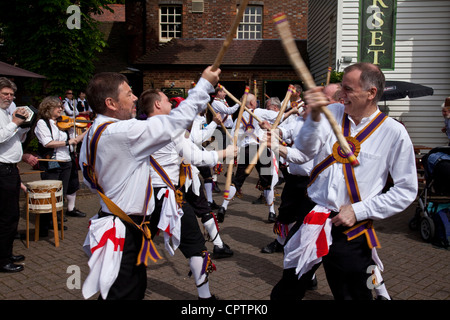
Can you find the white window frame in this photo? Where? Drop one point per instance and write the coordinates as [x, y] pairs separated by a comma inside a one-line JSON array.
[[170, 22], [251, 26]]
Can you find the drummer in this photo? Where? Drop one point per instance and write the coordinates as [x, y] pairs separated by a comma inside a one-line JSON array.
[[54, 145]]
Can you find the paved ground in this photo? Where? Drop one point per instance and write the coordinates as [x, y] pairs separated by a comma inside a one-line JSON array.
[[414, 270]]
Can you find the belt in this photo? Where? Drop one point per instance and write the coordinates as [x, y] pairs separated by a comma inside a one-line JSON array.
[[136, 218], [9, 165]]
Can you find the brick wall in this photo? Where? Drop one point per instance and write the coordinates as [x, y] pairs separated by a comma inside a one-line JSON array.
[[214, 22], [183, 78]]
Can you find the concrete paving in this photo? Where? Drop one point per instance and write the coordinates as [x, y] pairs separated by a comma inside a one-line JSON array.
[[414, 270]]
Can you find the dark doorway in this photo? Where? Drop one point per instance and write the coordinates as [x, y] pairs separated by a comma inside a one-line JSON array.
[[277, 88]]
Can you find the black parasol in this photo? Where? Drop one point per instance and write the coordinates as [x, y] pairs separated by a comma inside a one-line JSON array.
[[10, 70], [394, 90]]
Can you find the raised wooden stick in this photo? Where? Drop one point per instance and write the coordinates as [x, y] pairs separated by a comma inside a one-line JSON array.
[[226, 192], [239, 103], [210, 108], [231, 35], [299, 65], [263, 144]]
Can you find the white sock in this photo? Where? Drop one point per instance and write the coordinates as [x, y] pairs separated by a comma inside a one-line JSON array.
[[71, 201], [269, 199], [380, 290], [214, 177], [208, 191], [230, 196], [211, 227], [195, 263]]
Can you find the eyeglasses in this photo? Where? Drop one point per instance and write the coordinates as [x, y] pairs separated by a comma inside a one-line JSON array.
[[69, 92]]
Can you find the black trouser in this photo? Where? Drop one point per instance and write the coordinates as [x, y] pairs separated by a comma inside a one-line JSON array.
[[245, 156], [9, 209], [205, 172], [345, 266], [131, 282], [198, 203], [295, 203]]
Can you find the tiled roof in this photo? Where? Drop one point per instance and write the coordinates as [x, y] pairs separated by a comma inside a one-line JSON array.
[[204, 52]]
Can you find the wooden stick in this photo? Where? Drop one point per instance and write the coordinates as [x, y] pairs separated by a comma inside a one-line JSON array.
[[210, 108], [246, 108], [31, 172], [230, 36], [263, 144], [299, 65], [239, 103], [226, 192], [50, 160]]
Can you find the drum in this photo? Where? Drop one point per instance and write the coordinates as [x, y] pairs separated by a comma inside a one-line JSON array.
[[40, 195]]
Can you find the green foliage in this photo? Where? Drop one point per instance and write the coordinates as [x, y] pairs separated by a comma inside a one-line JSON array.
[[336, 77], [37, 38]]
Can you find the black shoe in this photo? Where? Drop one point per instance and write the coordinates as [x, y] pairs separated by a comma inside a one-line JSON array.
[[17, 258], [312, 285], [260, 200], [223, 252], [272, 247], [272, 217], [213, 205], [216, 188], [76, 213], [11, 267], [221, 214]]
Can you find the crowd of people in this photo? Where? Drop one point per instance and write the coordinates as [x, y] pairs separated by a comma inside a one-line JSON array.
[[162, 179]]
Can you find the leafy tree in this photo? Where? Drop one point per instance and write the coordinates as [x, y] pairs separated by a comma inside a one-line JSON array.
[[37, 38]]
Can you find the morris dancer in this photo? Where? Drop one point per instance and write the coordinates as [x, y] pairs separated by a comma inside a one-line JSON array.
[[348, 198], [221, 107], [117, 165], [250, 133], [167, 177]]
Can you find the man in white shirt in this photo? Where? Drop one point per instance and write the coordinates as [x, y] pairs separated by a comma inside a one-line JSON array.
[[11, 153], [248, 141], [122, 161], [349, 198], [153, 102]]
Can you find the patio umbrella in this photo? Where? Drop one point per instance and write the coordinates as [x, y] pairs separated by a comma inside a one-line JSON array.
[[10, 70], [394, 90]]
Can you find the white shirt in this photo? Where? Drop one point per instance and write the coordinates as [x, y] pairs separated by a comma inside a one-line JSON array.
[[70, 106], [387, 150], [249, 137], [170, 157], [11, 138], [123, 151], [45, 136], [299, 164], [201, 131], [221, 107]]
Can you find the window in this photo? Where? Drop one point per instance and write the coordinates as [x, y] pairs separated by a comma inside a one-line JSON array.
[[251, 24], [170, 18]]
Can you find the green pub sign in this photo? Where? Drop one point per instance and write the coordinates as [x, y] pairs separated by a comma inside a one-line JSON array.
[[377, 32]]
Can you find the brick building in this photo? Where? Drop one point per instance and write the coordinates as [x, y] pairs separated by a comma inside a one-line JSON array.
[[172, 41]]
